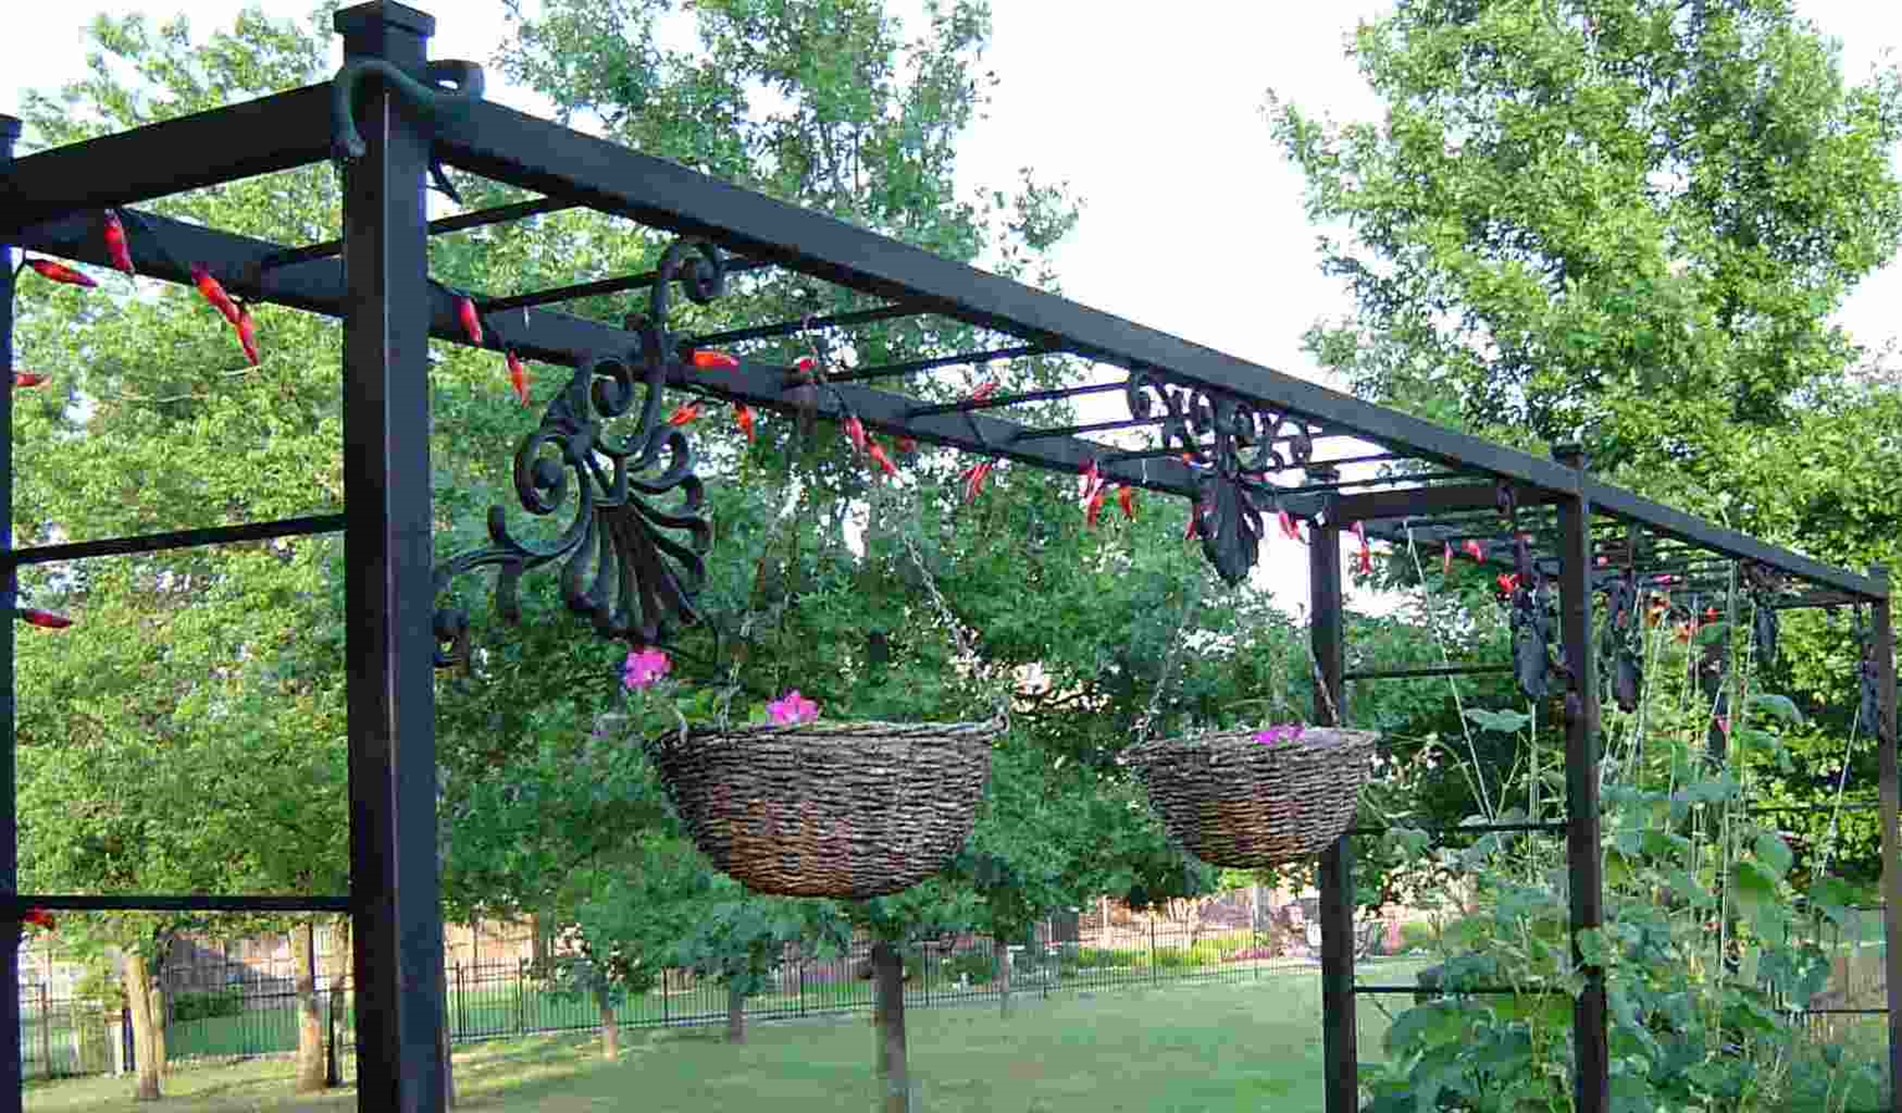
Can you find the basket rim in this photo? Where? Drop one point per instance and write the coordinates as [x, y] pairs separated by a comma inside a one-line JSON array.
[[953, 730], [1342, 739]]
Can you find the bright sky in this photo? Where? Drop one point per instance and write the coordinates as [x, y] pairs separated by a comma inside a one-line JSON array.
[[1192, 222]]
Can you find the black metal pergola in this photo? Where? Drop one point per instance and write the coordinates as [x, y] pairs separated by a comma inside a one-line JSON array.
[[1241, 441]]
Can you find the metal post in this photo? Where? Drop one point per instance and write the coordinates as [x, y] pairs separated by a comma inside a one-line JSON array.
[[1339, 1032], [1884, 648], [390, 645], [12, 1080], [1591, 1085], [521, 996]]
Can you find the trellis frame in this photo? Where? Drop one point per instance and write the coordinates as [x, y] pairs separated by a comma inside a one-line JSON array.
[[375, 280]]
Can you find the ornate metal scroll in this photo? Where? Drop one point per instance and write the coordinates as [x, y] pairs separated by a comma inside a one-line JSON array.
[[1246, 444], [632, 566]]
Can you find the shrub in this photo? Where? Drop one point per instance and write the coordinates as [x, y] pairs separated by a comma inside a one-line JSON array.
[[204, 1006], [975, 965]]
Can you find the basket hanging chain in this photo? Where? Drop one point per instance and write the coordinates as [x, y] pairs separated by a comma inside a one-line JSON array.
[[1190, 603]]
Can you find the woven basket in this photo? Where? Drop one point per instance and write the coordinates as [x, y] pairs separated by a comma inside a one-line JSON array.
[[1232, 801], [846, 810]]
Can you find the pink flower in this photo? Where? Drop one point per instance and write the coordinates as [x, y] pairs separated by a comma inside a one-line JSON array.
[[644, 669], [1279, 733], [792, 709]]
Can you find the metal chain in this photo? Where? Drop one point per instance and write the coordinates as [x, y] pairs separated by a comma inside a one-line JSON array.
[[1190, 603]]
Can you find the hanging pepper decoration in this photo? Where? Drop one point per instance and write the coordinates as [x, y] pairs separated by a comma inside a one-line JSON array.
[[60, 273], [518, 376], [1446, 559], [975, 477], [984, 391], [705, 359], [39, 918], [1290, 529], [684, 415], [213, 291], [1092, 480], [854, 432], [1093, 510], [116, 245], [248, 334], [471, 320], [1126, 498], [743, 416], [45, 620], [1473, 548], [26, 380], [877, 452], [1366, 551]]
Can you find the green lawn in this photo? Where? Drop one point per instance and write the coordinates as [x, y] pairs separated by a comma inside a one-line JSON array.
[[1247, 1045]]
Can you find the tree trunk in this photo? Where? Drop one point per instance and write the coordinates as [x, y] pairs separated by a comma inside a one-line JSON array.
[[147, 1044], [1004, 964], [610, 1026], [735, 1014], [888, 981], [310, 1016]]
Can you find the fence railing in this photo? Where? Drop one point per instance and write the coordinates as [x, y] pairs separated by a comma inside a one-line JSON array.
[[62, 1037]]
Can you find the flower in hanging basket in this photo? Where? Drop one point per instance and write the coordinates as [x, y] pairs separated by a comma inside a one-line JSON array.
[[644, 668], [39, 918], [792, 709], [1279, 734]]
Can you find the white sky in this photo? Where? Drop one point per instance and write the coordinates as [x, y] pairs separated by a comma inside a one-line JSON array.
[[1192, 222]]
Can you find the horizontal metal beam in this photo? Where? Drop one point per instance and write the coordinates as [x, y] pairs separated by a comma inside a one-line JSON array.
[[13, 905], [541, 334], [1424, 671], [1607, 499], [791, 328], [175, 539], [461, 222], [594, 289], [279, 132], [1427, 502], [537, 154]]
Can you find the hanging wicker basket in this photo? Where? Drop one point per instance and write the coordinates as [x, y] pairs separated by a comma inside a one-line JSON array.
[[844, 810], [1234, 802]]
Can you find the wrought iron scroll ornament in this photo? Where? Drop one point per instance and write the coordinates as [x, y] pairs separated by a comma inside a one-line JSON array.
[[1247, 443], [430, 97], [631, 565]]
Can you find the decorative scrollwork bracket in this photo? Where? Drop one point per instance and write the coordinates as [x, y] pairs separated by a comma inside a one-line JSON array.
[[1246, 445], [631, 565]]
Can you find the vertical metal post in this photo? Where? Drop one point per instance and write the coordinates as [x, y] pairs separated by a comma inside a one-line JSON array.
[[1591, 1085], [1884, 648], [390, 645], [1340, 1036], [12, 1079]]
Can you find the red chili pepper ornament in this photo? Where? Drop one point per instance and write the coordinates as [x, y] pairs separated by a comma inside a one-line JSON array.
[[705, 359], [854, 432], [684, 415], [116, 245], [471, 320], [984, 391], [214, 292], [1093, 512], [26, 380], [248, 334], [877, 452], [975, 477], [1126, 498], [45, 620], [518, 377], [1446, 559], [60, 273], [743, 416]]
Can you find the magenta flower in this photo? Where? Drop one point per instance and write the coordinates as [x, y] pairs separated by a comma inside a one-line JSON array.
[[792, 709], [644, 669], [1279, 733]]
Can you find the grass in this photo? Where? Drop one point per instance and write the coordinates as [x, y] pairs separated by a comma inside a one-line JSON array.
[[1177, 1049]]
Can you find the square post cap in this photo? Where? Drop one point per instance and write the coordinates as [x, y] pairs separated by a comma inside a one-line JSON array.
[[383, 15]]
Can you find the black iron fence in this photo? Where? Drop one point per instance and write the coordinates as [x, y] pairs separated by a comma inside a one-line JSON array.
[[65, 1037]]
